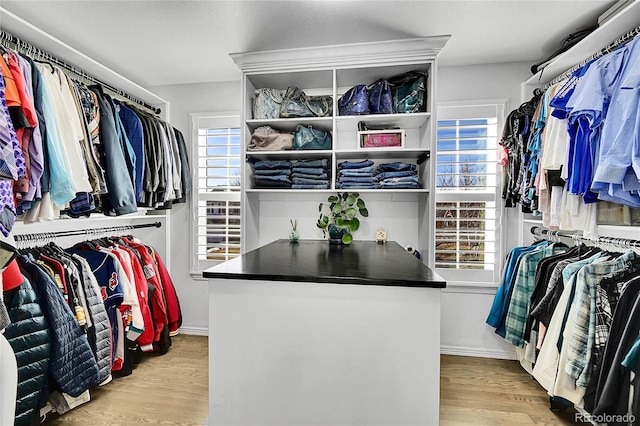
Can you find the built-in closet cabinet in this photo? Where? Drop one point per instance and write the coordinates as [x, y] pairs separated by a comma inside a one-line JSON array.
[[332, 70]]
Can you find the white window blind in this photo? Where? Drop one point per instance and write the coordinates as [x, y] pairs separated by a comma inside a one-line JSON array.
[[217, 226], [467, 192]]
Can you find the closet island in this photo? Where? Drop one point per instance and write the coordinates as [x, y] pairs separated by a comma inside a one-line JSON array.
[[316, 333]]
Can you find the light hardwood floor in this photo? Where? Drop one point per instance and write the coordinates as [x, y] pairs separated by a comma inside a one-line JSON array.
[[169, 389], [172, 390], [481, 391]]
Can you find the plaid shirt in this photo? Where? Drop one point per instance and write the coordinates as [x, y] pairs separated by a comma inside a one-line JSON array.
[[606, 302], [544, 309], [583, 317], [516, 321]]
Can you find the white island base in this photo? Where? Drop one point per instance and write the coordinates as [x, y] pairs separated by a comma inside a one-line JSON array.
[[305, 353]]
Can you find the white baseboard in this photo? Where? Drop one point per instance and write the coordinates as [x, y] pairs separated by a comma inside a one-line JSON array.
[[196, 331], [475, 352]]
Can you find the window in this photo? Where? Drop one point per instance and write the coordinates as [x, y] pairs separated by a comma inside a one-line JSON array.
[[467, 192], [217, 227]]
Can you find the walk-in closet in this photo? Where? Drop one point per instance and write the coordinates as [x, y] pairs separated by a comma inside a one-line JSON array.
[[287, 212]]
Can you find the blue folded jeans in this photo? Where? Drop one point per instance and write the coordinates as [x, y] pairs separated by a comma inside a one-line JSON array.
[[271, 172], [310, 170], [363, 179], [396, 167], [401, 179], [271, 164], [321, 162], [385, 175], [276, 178], [356, 185], [272, 184], [357, 172], [302, 181], [296, 186], [399, 185], [308, 176], [355, 164]]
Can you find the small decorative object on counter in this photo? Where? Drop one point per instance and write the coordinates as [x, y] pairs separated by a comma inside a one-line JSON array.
[[413, 251], [341, 218], [293, 235], [381, 236]]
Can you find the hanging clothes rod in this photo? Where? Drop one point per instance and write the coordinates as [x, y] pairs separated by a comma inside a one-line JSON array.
[[615, 44], [87, 232], [29, 49], [622, 242]]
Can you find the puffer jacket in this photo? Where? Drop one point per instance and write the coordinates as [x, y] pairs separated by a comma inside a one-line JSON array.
[[28, 335], [99, 334], [73, 365]]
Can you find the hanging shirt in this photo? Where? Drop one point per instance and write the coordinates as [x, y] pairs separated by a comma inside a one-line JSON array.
[[69, 126], [518, 312], [36, 153], [133, 128], [587, 107], [620, 137]]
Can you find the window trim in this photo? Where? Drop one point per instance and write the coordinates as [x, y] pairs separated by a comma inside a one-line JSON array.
[[198, 121], [455, 109]]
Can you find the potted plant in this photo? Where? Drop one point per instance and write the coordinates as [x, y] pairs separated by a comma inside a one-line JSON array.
[[341, 221]]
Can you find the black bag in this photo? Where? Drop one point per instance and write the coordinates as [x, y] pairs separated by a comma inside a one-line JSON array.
[[409, 92]]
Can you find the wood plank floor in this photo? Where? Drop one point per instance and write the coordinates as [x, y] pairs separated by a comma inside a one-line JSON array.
[[172, 390], [169, 389], [481, 391]]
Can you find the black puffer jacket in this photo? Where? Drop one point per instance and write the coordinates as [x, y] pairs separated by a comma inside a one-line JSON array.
[[99, 334], [28, 335], [73, 365]]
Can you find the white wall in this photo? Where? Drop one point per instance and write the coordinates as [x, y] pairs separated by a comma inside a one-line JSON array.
[[464, 309], [184, 100]]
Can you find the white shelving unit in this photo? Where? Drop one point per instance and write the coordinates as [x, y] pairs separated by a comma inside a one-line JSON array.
[[332, 70]]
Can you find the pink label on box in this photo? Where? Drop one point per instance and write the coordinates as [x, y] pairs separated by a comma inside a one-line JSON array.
[[381, 140]]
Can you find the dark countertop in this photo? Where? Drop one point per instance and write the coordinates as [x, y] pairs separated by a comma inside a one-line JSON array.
[[361, 262]]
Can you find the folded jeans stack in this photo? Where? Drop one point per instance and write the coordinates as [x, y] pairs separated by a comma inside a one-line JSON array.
[[310, 174], [356, 175], [272, 174], [398, 175]]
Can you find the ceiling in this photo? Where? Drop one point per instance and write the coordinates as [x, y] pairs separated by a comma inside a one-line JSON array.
[[177, 42]]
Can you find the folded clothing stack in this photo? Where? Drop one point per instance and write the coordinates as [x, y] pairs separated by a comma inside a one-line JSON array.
[[272, 174], [356, 175], [398, 175], [310, 174]]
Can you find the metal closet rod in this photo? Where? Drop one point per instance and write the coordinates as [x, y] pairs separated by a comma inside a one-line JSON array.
[[622, 242], [28, 48], [87, 232], [618, 42]]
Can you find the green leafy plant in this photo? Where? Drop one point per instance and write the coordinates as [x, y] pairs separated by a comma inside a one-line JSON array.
[[343, 209]]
